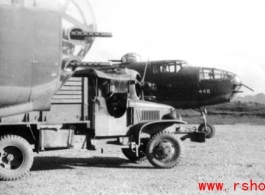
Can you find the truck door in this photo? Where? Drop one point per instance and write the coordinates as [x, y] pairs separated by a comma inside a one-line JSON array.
[[110, 107]]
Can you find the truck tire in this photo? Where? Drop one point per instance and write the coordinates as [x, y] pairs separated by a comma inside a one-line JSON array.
[[209, 132], [164, 150], [16, 157]]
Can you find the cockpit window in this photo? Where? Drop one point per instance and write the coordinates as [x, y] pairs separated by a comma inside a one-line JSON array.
[[156, 69], [209, 74], [163, 68], [206, 74], [218, 74], [166, 68], [184, 64], [171, 68]]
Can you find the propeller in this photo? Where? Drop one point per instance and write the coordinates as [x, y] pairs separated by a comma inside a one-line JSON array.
[[147, 62], [142, 80]]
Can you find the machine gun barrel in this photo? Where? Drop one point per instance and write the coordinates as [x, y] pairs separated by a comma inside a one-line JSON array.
[[82, 34]]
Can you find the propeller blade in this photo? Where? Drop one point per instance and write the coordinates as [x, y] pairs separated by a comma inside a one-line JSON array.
[[144, 77], [145, 70], [247, 87], [142, 96]]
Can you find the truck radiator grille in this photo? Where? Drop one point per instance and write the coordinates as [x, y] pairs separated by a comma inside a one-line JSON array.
[[150, 115]]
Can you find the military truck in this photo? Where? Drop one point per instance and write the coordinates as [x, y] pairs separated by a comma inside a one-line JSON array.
[[97, 104]]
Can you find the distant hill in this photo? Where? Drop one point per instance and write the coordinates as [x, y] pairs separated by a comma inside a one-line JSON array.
[[259, 98]]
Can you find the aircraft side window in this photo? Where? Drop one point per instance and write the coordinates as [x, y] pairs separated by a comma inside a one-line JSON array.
[[172, 68], [183, 65], [206, 74], [155, 69], [163, 68], [218, 74], [167, 68], [227, 75], [201, 75], [178, 67]]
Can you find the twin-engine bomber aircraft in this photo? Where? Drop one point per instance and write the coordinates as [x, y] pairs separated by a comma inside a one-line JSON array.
[[183, 86]]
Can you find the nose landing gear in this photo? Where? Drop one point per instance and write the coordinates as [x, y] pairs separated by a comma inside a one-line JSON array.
[[206, 127]]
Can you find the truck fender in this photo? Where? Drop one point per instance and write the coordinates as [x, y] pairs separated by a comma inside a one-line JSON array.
[[150, 127]]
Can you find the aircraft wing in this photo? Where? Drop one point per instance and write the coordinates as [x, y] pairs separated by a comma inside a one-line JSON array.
[[104, 71]]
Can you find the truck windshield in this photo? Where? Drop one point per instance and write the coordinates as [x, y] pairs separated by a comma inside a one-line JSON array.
[[118, 86]]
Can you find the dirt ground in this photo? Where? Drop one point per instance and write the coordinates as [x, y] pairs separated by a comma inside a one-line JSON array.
[[235, 155]]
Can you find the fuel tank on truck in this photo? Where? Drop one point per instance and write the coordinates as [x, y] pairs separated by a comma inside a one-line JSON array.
[[35, 47]]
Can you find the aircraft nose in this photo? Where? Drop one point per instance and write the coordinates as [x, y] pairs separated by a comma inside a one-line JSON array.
[[237, 83]]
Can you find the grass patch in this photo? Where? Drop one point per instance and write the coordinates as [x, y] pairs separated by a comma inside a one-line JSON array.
[[229, 113]]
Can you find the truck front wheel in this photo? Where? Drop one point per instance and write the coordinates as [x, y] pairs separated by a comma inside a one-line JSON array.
[[164, 150], [16, 157]]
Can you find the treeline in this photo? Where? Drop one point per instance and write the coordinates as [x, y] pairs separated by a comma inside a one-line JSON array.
[[229, 113], [238, 108]]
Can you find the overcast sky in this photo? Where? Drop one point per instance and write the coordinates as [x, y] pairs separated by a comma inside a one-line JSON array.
[[225, 34]]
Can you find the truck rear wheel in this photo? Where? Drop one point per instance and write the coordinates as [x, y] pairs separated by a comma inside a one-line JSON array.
[[16, 157], [164, 150]]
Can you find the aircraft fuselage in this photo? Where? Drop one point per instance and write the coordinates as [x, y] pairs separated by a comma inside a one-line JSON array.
[[189, 87], [35, 48]]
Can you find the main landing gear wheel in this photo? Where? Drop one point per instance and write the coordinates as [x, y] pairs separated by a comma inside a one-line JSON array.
[[164, 150], [131, 153], [16, 157], [209, 130]]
